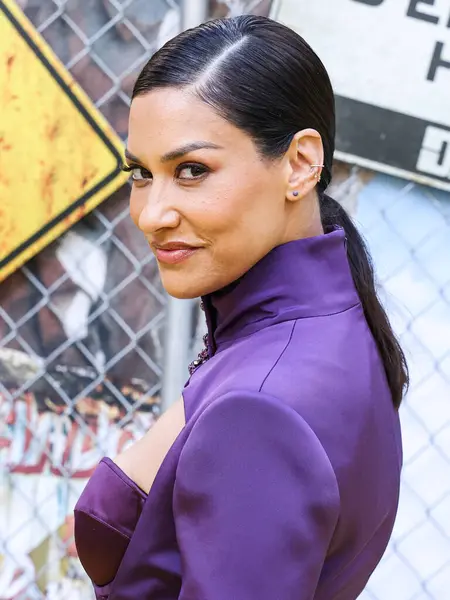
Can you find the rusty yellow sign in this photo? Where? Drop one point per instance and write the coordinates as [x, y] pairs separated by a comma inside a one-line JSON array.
[[58, 156]]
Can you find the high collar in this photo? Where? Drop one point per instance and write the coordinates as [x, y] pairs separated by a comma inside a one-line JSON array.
[[305, 278]]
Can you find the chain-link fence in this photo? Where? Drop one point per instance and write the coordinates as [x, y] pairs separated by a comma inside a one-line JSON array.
[[81, 329], [407, 227]]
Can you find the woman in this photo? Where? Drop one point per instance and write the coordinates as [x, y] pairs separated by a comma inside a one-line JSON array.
[[276, 475]]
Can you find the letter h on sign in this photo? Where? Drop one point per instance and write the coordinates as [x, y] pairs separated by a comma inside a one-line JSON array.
[[437, 62], [434, 157]]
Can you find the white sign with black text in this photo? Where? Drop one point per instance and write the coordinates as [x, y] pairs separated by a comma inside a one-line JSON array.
[[389, 61]]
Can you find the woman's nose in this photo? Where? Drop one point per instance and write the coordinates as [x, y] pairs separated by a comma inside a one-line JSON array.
[[157, 213]]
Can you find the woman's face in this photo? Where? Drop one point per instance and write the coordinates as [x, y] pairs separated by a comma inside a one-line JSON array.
[[209, 205]]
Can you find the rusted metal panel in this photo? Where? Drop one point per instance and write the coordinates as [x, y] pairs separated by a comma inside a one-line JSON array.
[[58, 156]]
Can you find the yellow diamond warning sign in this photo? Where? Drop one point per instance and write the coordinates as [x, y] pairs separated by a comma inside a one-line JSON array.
[[58, 156]]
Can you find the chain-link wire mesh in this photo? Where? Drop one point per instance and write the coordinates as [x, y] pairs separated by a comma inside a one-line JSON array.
[[81, 325], [407, 227], [408, 230], [81, 329]]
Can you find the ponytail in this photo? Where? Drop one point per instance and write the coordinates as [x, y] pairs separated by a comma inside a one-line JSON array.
[[361, 266]]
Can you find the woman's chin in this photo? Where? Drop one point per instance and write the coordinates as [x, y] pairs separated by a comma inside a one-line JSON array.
[[181, 287], [186, 287]]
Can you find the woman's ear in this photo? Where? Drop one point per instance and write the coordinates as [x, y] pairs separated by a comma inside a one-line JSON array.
[[305, 157]]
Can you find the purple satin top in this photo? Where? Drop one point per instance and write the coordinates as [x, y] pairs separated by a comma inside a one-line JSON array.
[[284, 482]]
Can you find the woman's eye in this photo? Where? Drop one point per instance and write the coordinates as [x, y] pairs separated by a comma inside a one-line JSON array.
[[140, 174], [191, 171]]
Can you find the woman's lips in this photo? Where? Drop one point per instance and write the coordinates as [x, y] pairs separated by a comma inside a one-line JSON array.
[[172, 255]]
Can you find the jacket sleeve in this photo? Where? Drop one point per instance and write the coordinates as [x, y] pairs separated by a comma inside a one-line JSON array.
[[255, 503]]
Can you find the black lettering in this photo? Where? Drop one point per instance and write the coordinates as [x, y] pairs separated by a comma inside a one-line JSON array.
[[415, 14], [442, 153], [371, 2], [434, 156], [437, 61]]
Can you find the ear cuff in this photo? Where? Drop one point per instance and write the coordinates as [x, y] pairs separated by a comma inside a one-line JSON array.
[[317, 174]]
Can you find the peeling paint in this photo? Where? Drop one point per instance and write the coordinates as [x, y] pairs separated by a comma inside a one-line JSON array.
[[9, 62]]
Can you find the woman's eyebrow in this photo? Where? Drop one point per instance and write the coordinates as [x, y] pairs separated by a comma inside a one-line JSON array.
[[191, 147], [178, 152]]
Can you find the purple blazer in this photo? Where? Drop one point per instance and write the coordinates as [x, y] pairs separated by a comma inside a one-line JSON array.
[[284, 483]]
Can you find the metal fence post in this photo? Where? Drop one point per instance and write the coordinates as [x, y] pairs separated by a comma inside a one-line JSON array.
[[176, 349], [193, 12]]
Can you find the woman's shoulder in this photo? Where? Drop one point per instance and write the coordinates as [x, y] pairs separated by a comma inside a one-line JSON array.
[[242, 414], [245, 427]]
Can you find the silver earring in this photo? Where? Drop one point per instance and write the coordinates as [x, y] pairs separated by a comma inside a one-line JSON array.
[[317, 174]]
